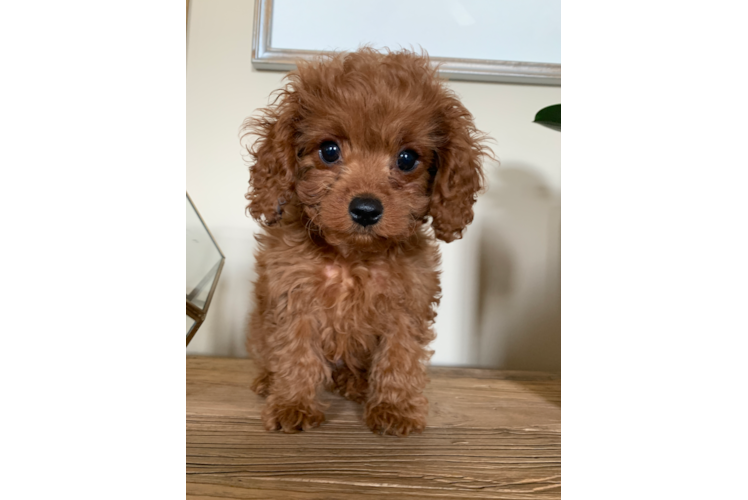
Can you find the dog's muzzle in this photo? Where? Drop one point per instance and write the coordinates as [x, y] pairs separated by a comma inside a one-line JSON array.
[[365, 211]]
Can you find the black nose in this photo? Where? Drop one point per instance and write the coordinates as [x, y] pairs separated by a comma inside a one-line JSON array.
[[365, 211]]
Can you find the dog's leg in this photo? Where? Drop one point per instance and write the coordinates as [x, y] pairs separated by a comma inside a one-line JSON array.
[[261, 384], [255, 344], [296, 373], [396, 404]]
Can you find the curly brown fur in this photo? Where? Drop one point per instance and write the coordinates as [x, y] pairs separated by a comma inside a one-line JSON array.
[[340, 305]]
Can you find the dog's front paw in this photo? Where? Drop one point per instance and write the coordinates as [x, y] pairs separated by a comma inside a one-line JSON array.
[[398, 420], [291, 417]]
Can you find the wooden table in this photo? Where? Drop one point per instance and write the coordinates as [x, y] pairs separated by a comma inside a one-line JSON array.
[[491, 434]]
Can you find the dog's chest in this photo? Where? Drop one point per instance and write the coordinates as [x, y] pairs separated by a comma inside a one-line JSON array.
[[341, 280], [336, 275], [352, 300]]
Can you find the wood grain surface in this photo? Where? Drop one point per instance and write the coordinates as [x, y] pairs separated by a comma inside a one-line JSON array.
[[491, 434]]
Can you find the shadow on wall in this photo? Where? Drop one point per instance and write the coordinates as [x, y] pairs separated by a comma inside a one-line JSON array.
[[519, 307], [508, 296]]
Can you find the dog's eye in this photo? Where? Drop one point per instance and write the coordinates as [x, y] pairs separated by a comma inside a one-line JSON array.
[[329, 152], [407, 160]]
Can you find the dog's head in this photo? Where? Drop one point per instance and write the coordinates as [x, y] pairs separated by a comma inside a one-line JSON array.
[[367, 146]]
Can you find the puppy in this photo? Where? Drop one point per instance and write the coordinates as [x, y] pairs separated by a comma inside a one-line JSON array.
[[362, 160]]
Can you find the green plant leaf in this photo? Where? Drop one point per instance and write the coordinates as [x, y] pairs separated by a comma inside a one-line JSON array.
[[550, 117]]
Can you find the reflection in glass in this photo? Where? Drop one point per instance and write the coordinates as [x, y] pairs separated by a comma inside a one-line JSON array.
[[203, 257]]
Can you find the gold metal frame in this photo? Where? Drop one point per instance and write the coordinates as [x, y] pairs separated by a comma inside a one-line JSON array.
[[198, 314], [265, 57]]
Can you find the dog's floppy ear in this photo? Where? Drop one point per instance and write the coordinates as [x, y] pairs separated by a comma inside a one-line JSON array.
[[459, 177], [272, 173]]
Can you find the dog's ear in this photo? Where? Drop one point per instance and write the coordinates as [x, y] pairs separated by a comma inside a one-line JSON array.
[[273, 169], [458, 178]]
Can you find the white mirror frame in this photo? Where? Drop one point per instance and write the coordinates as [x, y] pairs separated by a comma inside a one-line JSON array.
[[265, 57]]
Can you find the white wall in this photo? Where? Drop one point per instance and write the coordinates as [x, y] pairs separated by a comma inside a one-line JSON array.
[[501, 304]]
